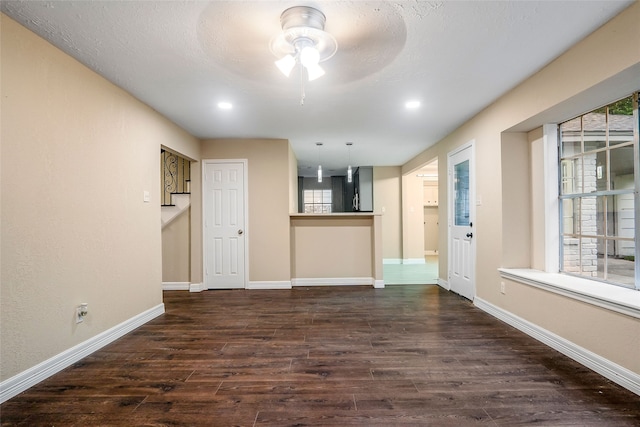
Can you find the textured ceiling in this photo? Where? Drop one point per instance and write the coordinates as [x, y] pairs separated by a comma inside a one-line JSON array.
[[183, 57]]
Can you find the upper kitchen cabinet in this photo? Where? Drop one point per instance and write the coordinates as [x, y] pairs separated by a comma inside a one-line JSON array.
[[430, 193]]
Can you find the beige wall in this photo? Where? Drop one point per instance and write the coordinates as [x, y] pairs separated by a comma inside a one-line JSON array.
[[537, 193], [176, 249], [412, 217], [293, 181], [516, 197], [269, 202], [611, 335], [387, 199], [77, 155], [597, 70], [196, 223]]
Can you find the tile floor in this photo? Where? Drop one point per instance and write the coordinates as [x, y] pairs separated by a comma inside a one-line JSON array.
[[412, 274]]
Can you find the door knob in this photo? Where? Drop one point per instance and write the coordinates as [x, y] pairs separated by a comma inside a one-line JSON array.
[[240, 231], [469, 235]]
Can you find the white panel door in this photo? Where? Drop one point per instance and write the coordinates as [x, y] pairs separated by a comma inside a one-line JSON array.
[[224, 225], [461, 216]]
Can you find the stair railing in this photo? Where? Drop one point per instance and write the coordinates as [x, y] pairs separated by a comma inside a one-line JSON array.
[[175, 176]]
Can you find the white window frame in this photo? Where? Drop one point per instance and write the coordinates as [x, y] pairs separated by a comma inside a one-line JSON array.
[[636, 285], [323, 191], [611, 297]]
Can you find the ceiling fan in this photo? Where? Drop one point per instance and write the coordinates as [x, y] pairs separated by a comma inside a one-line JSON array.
[[370, 35], [303, 41]]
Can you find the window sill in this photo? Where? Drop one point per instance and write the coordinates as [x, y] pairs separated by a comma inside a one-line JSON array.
[[610, 297]]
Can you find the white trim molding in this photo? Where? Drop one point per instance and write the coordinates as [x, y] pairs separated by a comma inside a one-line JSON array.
[[551, 200], [610, 297], [392, 261], [333, 281], [196, 287], [444, 284], [605, 367], [378, 284], [282, 284], [32, 376], [175, 286]]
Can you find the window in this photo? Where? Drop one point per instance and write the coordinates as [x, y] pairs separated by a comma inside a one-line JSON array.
[[317, 201], [599, 179]]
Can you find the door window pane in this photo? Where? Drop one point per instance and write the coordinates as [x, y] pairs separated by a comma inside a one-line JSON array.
[[461, 193]]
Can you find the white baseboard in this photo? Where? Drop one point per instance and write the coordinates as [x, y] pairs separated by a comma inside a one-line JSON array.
[[32, 376], [444, 284], [196, 287], [284, 284], [378, 284], [333, 281], [414, 261], [430, 253], [392, 261], [175, 286], [605, 367]]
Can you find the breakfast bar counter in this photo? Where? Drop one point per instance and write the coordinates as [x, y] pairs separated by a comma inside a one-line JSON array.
[[336, 249]]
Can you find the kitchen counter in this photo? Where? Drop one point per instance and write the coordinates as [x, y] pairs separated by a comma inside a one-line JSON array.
[[336, 249]]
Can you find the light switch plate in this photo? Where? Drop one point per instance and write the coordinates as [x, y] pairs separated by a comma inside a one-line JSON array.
[[146, 197]]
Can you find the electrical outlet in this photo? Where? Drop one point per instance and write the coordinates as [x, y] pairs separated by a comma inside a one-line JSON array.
[[502, 288], [81, 312]]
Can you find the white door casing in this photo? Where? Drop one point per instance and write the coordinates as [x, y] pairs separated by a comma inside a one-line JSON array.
[[224, 216], [462, 202]]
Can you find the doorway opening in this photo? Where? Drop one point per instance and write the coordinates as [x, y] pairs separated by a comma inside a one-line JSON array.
[[420, 229]]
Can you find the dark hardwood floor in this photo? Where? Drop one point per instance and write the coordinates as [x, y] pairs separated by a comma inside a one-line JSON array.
[[340, 356]]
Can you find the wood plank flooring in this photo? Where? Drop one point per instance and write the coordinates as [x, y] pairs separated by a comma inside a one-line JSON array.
[[339, 356]]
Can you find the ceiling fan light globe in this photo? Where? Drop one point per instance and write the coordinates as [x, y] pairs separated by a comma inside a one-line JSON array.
[[286, 64], [309, 56], [314, 72]]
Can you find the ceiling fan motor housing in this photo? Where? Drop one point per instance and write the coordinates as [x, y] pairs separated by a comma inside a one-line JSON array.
[[302, 16], [303, 26]]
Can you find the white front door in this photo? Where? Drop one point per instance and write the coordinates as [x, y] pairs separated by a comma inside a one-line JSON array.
[[461, 189], [224, 211]]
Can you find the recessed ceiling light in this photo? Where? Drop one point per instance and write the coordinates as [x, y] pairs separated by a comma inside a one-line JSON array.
[[225, 105], [412, 105]]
